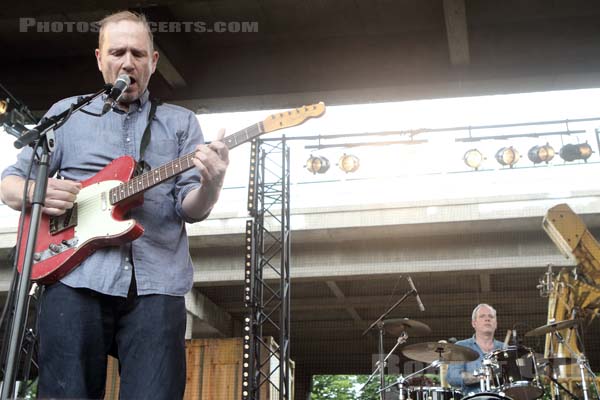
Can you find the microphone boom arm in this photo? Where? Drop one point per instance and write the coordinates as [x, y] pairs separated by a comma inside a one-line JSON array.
[[55, 121]]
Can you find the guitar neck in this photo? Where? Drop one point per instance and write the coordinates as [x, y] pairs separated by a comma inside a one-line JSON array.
[[156, 176]]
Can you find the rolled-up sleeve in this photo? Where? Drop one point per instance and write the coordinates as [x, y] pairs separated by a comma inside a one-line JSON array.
[[189, 138]]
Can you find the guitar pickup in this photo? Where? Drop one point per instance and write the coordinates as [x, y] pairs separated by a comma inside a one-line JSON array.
[[63, 222]]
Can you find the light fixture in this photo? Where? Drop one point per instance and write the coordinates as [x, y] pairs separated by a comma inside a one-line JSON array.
[[473, 158], [572, 152], [349, 163], [539, 154], [3, 107], [317, 164], [508, 156]]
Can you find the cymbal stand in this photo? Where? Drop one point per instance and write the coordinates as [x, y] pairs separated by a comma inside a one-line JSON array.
[[379, 323], [558, 386], [401, 340], [402, 380], [583, 364]]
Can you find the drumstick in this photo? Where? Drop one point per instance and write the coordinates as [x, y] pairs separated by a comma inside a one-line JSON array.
[[507, 338]]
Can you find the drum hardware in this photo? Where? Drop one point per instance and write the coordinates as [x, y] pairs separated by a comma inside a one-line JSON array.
[[401, 340], [554, 329], [485, 374], [403, 325], [554, 378], [401, 381], [512, 372], [584, 366]]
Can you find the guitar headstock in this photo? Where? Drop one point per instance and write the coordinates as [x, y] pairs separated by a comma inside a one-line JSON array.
[[286, 119]]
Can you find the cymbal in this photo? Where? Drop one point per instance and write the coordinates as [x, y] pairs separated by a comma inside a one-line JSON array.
[[397, 326], [429, 352], [552, 327]]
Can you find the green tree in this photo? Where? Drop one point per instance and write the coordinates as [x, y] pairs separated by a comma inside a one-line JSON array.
[[371, 391], [333, 387]]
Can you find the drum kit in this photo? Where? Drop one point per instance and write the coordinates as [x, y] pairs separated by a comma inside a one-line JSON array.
[[511, 373]]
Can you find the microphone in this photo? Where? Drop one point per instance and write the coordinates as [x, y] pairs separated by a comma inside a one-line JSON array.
[[121, 85], [412, 285]]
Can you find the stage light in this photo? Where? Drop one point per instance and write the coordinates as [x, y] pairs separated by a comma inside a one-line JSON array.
[[3, 107], [572, 152], [349, 163], [317, 164], [473, 158], [508, 156], [539, 154]]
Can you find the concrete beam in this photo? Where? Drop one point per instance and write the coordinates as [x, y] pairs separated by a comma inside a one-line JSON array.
[[208, 319], [456, 31], [168, 70], [339, 294], [363, 302]]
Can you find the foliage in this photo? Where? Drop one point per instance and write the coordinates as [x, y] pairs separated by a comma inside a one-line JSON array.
[[335, 387]]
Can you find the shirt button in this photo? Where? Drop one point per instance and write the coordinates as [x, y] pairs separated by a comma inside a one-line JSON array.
[[127, 117], [128, 139], [126, 268], [127, 258]]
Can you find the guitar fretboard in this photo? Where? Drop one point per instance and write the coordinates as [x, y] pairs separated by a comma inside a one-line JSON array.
[[149, 179]]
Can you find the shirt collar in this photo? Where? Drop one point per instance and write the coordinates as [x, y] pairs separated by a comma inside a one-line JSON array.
[[138, 104]]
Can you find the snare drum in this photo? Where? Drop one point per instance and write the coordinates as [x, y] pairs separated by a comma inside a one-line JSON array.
[[513, 372], [434, 393]]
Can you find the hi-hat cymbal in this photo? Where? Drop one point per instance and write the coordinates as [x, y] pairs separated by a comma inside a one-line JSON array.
[[397, 326], [429, 352], [552, 327]]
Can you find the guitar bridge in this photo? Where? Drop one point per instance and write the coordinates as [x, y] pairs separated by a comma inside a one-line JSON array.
[[63, 222]]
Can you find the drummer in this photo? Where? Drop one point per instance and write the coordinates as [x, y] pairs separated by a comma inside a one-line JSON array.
[[484, 322]]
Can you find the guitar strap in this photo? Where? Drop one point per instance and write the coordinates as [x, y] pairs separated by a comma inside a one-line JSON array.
[[142, 166]]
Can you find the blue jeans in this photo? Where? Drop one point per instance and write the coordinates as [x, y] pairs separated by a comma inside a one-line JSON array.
[[79, 327]]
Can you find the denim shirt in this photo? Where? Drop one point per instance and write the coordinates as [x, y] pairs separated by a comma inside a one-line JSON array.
[[455, 369], [84, 145]]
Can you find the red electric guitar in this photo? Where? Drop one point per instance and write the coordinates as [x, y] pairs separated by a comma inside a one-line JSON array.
[[97, 218]]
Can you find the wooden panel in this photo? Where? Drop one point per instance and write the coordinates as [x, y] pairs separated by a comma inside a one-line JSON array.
[[214, 371]]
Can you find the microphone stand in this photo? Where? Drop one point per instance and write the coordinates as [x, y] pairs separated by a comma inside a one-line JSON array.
[[43, 137], [380, 325]]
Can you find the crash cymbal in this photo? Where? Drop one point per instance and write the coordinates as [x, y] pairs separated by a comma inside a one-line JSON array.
[[552, 327], [397, 326], [556, 361], [428, 352]]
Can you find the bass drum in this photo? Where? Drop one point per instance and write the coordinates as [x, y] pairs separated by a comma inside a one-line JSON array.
[[486, 396], [434, 393]]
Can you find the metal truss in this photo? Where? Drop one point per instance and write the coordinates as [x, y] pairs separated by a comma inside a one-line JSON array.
[[266, 366]]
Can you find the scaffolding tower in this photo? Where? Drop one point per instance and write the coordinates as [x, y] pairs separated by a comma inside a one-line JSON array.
[[266, 365]]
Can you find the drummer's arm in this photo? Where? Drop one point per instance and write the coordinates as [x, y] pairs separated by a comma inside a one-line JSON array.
[[468, 378], [454, 375]]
